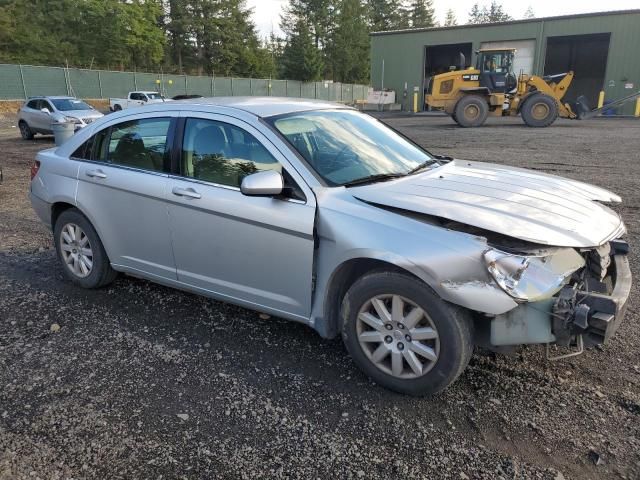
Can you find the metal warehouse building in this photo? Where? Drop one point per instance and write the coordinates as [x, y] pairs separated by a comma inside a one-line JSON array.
[[601, 48]]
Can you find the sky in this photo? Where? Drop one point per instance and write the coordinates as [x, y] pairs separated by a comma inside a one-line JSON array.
[[267, 12]]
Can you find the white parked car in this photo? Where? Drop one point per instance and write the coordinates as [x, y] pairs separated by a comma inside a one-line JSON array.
[[38, 113], [135, 99]]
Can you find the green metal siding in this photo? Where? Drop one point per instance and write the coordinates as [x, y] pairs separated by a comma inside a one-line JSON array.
[[403, 52]]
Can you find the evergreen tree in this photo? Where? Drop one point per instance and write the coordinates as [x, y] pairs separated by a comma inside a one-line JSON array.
[[529, 13], [317, 14], [177, 25], [421, 13], [450, 19], [386, 15], [349, 47], [495, 13], [476, 14], [301, 60]]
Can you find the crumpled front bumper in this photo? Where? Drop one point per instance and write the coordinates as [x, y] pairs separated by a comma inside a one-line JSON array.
[[593, 312], [599, 315]]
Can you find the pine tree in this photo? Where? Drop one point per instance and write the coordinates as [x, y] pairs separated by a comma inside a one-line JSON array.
[[450, 19], [317, 14], [497, 13], [385, 15], [529, 13], [476, 14], [421, 13], [301, 60], [349, 47]]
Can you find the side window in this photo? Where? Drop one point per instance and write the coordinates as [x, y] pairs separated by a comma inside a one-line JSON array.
[[94, 148], [33, 104], [47, 105], [134, 96], [136, 143], [222, 153], [83, 151]]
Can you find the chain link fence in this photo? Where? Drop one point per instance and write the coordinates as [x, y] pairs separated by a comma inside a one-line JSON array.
[[18, 82]]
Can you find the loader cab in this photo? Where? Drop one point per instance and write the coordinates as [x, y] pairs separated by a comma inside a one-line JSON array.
[[496, 70]]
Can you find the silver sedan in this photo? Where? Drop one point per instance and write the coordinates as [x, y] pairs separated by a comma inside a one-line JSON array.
[[317, 213]]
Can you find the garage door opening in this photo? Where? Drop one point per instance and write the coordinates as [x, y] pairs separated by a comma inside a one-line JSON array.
[[441, 58], [587, 56]]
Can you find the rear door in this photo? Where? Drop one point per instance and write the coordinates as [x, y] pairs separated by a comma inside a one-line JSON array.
[[122, 186], [256, 251], [29, 111]]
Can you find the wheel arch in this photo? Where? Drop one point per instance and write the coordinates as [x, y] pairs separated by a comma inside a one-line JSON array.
[[61, 206], [57, 208], [340, 280]]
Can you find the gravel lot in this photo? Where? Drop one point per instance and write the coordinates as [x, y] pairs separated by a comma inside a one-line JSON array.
[[140, 381]]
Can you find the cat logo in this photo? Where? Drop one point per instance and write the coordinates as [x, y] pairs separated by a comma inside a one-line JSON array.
[[470, 78]]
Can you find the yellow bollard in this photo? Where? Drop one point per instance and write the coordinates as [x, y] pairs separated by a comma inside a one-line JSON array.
[[637, 112], [415, 102], [601, 99]]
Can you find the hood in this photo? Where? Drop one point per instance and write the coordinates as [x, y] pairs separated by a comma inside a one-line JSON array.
[[82, 114], [516, 202]]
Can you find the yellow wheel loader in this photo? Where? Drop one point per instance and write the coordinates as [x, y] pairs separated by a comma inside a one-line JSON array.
[[470, 95]]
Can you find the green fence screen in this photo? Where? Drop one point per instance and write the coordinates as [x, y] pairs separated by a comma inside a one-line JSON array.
[[18, 82]]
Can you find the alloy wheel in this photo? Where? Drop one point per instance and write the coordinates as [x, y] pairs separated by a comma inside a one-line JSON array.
[[398, 336], [76, 251]]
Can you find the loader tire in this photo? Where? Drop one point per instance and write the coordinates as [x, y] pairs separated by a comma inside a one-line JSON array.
[[539, 110], [471, 111]]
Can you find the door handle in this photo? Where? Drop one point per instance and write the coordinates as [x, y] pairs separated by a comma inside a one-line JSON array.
[[185, 192], [96, 174]]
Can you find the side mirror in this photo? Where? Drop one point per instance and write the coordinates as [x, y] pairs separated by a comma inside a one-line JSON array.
[[267, 183], [45, 110]]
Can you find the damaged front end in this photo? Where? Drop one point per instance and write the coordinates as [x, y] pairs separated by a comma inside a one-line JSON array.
[[566, 296]]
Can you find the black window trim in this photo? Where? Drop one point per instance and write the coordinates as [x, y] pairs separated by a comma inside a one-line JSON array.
[[167, 160], [176, 159]]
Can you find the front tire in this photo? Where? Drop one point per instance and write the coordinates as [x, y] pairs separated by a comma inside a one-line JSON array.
[[25, 131], [471, 111], [539, 110], [80, 251], [403, 336]]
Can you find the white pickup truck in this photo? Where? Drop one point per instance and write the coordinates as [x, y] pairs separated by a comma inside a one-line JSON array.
[[135, 99]]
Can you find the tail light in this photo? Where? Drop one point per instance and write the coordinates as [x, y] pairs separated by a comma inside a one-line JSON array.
[[35, 166]]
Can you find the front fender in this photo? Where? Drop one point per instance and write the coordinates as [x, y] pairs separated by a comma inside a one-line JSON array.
[[450, 262]]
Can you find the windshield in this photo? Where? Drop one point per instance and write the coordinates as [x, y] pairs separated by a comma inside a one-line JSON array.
[[344, 146], [67, 104]]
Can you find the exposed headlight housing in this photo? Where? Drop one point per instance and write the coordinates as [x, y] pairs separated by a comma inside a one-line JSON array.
[[536, 277], [73, 120]]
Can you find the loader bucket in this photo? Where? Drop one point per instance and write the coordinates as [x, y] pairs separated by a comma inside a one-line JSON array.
[[581, 107]]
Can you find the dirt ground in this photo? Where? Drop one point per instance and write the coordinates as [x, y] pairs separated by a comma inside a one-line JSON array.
[[142, 381]]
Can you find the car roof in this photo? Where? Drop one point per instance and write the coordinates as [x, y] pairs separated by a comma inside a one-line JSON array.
[[261, 106], [52, 97]]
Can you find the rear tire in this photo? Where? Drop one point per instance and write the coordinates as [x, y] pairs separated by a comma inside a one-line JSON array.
[[418, 345], [80, 251], [25, 131], [539, 110], [471, 111], [117, 108]]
